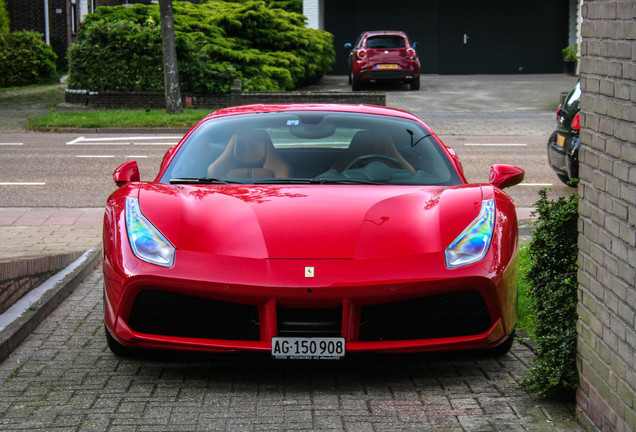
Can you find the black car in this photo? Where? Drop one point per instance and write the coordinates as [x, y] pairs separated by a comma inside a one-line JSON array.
[[564, 143]]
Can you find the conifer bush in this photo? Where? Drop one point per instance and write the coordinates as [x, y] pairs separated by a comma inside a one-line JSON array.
[[553, 297], [268, 48]]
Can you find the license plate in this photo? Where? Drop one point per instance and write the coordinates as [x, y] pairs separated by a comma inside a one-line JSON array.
[[387, 66], [284, 348], [560, 140]]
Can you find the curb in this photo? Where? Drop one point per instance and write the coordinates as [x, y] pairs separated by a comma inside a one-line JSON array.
[[112, 130], [28, 312]]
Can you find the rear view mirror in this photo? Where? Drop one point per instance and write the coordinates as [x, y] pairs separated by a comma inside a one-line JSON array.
[[125, 173], [503, 176], [348, 45]]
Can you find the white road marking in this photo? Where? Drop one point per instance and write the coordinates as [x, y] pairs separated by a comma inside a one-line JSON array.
[[22, 183], [11, 144], [496, 144], [95, 156], [130, 140]]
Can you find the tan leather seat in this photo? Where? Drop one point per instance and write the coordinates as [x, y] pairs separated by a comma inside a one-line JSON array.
[[249, 154], [369, 142]]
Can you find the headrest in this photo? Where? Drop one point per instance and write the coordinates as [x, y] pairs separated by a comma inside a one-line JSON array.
[[250, 148]]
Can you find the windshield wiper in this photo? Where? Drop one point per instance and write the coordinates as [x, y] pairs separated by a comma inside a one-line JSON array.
[[314, 181], [345, 181], [201, 180]]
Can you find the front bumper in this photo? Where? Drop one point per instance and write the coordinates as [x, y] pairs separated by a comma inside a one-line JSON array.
[[186, 311]]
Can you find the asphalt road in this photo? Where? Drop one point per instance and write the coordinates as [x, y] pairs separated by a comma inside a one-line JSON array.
[[494, 120]]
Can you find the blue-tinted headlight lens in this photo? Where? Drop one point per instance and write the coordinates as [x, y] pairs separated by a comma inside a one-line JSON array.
[[147, 243], [473, 243]]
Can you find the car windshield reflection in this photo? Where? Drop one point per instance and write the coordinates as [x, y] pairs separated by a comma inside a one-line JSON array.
[[311, 147]]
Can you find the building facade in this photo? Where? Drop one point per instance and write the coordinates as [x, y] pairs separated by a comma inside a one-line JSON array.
[[459, 36], [57, 20], [607, 225]]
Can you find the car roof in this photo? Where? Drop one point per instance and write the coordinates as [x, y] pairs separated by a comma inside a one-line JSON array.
[[383, 33], [351, 108]]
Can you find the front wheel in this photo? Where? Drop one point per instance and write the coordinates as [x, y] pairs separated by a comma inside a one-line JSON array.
[[504, 347], [117, 348], [415, 84]]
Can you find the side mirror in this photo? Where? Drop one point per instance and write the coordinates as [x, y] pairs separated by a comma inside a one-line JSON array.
[[125, 173], [503, 176], [348, 45]]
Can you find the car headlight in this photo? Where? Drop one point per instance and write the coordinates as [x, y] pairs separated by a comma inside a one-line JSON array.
[[473, 243], [146, 242]]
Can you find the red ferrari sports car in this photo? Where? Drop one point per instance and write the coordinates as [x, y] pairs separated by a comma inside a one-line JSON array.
[[310, 231]]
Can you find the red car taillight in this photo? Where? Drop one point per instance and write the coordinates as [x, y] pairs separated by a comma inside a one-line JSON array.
[[558, 111], [361, 53], [410, 53], [576, 122]]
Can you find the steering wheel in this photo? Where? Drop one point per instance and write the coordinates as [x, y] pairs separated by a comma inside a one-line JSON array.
[[388, 160]]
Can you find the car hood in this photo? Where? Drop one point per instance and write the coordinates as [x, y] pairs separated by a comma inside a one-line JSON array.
[[310, 221]]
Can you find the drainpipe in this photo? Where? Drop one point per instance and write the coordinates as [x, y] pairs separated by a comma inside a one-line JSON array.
[[47, 37]]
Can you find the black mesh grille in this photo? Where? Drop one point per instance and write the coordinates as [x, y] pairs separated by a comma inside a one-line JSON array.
[[449, 315], [309, 322], [169, 314]]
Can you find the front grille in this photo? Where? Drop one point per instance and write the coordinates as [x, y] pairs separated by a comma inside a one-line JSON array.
[[309, 322], [448, 315], [169, 314]]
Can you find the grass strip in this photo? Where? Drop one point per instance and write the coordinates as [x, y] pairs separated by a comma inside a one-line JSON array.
[[118, 119]]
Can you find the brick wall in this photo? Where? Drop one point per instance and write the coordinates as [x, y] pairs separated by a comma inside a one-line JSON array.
[[156, 100], [19, 276], [30, 15], [607, 233]]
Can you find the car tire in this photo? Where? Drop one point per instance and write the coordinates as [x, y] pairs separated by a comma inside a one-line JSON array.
[[350, 78], [356, 84], [565, 179], [117, 348], [504, 347], [415, 84]]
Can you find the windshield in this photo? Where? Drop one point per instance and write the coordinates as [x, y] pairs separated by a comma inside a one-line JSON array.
[[573, 99], [311, 147], [385, 42]]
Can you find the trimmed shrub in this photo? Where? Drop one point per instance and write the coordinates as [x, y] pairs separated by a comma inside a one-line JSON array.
[[25, 59], [119, 48], [553, 295]]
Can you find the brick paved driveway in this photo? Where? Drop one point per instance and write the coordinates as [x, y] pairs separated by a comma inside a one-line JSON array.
[[64, 378]]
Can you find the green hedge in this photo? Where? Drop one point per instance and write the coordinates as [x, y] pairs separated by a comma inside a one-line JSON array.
[[553, 289], [269, 49], [25, 59], [4, 18]]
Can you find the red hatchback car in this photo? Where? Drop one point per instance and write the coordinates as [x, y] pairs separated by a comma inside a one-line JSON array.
[[310, 232], [383, 56]]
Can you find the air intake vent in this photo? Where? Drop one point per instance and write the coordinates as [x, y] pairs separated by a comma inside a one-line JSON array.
[[169, 314], [449, 315], [309, 322]]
